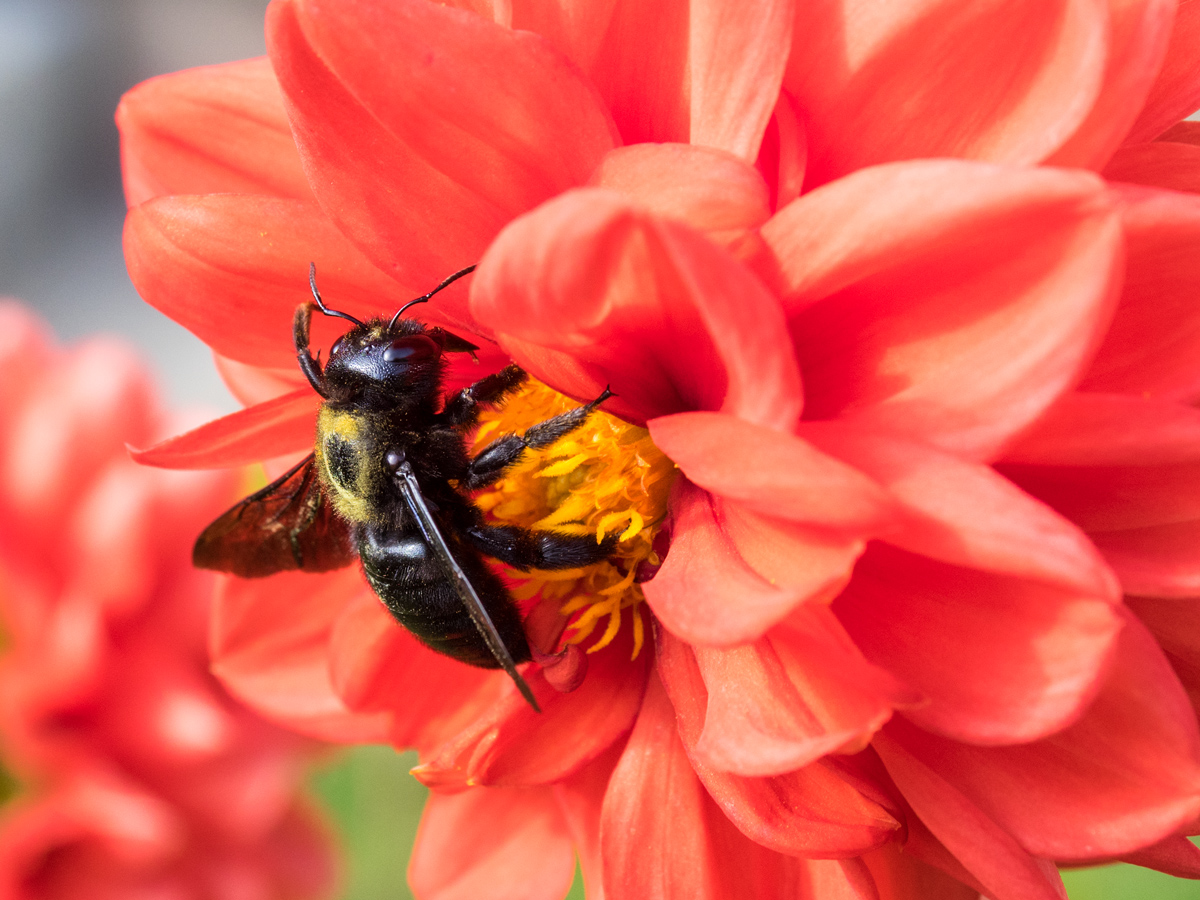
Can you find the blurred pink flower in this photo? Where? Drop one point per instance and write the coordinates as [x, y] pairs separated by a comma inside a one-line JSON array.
[[135, 775]]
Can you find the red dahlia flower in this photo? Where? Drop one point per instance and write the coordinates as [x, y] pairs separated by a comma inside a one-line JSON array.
[[134, 773], [902, 415]]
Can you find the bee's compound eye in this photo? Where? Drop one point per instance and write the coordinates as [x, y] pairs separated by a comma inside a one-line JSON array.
[[338, 346], [413, 346]]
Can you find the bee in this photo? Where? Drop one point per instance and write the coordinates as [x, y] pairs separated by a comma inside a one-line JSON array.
[[389, 482]]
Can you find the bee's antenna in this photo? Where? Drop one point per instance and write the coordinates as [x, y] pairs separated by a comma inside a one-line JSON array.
[[424, 299], [312, 283]]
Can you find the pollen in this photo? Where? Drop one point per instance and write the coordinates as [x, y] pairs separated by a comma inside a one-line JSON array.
[[605, 478]]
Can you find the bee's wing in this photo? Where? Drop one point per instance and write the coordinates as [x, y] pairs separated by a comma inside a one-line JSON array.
[[415, 501], [287, 525]]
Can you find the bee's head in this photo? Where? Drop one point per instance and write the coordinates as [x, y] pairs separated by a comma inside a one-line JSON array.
[[385, 365], [378, 364]]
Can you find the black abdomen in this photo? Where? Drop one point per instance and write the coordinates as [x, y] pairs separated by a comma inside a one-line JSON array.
[[409, 579]]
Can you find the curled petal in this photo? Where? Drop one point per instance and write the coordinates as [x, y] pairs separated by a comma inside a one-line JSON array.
[[946, 300], [1138, 35], [783, 156], [738, 52], [588, 291], [1164, 164], [898, 875], [800, 693], [270, 648], [469, 124], [506, 743], [1156, 561], [709, 190], [214, 129], [1002, 660], [1126, 775], [705, 567], [273, 428], [819, 810], [1175, 624], [1153, 345], [1176, 92], [376, 666], [1174, 855], [492, 842], [1004, 869], [768, 472], [1000, 81], [685, 846]]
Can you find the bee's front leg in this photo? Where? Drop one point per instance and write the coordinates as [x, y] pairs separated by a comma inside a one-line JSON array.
[[489, 464]]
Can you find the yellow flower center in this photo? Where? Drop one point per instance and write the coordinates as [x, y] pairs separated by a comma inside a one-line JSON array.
[[606, 477]]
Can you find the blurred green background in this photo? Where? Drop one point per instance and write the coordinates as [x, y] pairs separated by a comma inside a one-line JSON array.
[[376, 804]]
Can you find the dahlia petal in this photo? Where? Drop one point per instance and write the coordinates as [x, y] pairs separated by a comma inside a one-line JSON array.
[[1185, 132], [576, 29], [737, 54], [508, 744], [641, 70], [492, 842], [269, 645], [709, 190], [1153, 344], [1139, 32], [1164, 164], [909, 309], [213, 129], [794, 556], [463, 138], [1176, 92], [1092, 429], [812, 811], [1126, 775], [251, 385], [1174, 855], [685, 847], [588, 291], [783, 155], [988, 852], [581, 798], [273, 428], [965, 514], [769, 472], [691, 593], [899, 875], [232, 268], [1002, 660], [1157, 561], [375, 665], [1175, 624], [1005, 82], [800, 693]]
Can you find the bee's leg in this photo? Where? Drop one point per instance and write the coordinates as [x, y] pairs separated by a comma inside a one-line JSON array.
[[501, 453], [524, 549], [309, 366], [463, 407]]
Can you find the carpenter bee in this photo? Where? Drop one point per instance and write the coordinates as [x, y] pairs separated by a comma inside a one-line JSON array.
[[389, 481]]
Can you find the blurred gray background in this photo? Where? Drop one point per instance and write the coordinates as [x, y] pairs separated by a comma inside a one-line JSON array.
[[63, 66]]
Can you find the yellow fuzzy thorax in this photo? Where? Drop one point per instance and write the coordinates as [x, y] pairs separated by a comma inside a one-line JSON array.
[[349, 500], [606, 477]]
